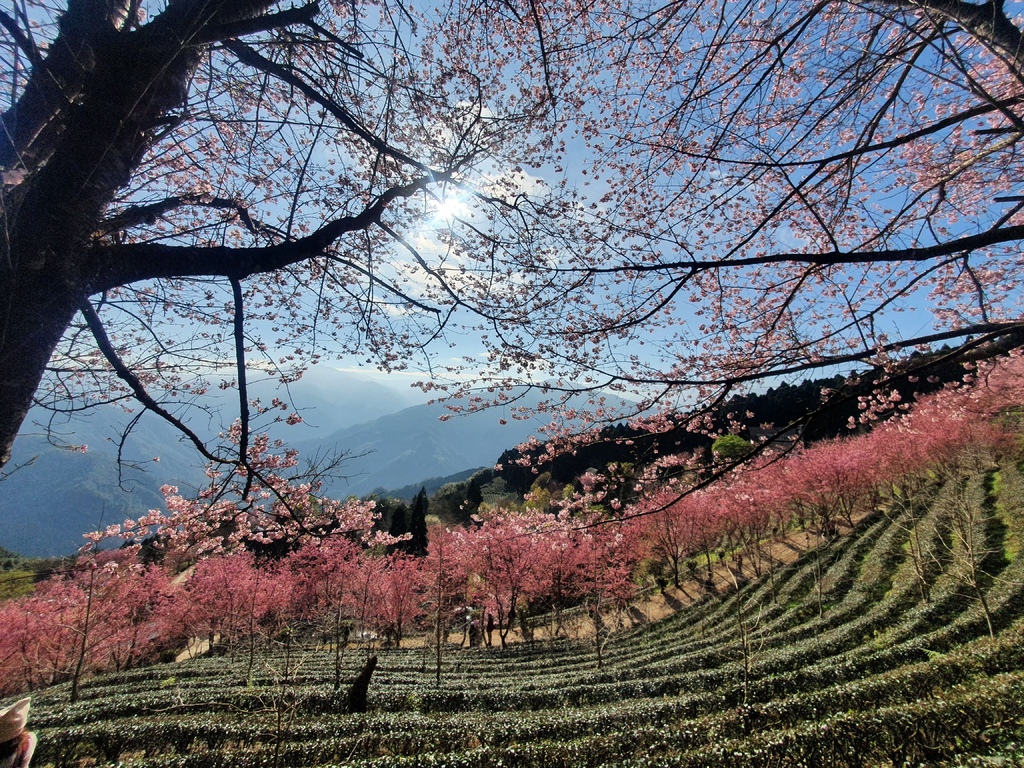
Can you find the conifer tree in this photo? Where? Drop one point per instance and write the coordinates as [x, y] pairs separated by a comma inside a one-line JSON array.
[[474, 496], [418, 525], [399, 527]]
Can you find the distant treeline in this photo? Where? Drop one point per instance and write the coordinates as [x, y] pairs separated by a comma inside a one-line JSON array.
[[797, 410]]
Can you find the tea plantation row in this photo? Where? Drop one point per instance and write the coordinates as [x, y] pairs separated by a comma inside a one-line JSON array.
[[875, 650]]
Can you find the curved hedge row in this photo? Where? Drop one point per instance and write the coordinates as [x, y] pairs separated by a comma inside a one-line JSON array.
[[897, 669]]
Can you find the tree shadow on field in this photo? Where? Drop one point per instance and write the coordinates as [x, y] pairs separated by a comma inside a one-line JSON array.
[[638, 616], [672, 601]]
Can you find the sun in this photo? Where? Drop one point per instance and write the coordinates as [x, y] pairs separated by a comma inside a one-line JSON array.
[[449, 208]]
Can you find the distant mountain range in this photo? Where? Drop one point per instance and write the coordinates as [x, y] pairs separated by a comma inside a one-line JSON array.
[[413, 444], [391, 441]]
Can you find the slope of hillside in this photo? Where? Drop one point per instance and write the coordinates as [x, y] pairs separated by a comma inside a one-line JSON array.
[[46, 506], [416, 443], [853, 655]]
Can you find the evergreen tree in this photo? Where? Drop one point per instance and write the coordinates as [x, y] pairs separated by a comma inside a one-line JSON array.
[[474, 497], [399, 526], [418, 525]]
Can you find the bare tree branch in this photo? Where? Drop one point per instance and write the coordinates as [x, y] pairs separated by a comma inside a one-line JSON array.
[[962, 245], [124, 264], [138, 389]]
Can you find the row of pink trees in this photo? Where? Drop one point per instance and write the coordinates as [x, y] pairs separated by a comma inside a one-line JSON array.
[[110, 612], [535, 561], [832, 483]]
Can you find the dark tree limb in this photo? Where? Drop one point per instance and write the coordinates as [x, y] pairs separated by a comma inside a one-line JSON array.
[[24, 42], [985, 21], [961, 245], [137, 215], [238, 330], [138, 389], [124, 264]]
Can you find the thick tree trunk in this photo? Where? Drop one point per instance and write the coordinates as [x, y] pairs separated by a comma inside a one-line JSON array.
[[33, 316], [102, 112], [74, 139]]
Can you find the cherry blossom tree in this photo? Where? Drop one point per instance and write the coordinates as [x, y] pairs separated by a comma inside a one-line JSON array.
[[445, 578], [265, 502], [560, 565], [752, 516], [609, 553], [770, 495], [360, 594], [502, 554], [35, 648], [186, 184], [323, 570], [702, 524], [117, 612], [770, 189], [235, 599], [106, 612], [668, 532], [145, 599], [833, 481], [396, 596]]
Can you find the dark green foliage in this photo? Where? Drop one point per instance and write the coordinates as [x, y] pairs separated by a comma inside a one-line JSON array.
[[435, 484], [417, 545], [798, 406], [454, 503], [474, 497], [399, 525]]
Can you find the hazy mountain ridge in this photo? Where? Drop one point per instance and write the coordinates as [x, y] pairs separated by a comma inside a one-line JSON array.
[[46, 506], [414, 444]]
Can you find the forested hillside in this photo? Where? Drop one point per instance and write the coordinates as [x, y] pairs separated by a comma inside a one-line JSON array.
[[779, 411]]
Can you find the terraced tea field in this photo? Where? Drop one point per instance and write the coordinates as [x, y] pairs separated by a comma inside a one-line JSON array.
[[873, 651]]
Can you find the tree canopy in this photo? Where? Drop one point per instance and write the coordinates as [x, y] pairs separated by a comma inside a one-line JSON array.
[[196, 189], [777, 188], [669, 199]]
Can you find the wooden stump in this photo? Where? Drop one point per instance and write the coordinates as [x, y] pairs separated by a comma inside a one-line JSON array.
[[357, 693]]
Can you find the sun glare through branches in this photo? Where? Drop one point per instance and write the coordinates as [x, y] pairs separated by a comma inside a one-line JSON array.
[[672, 202]]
